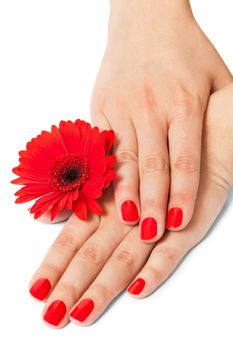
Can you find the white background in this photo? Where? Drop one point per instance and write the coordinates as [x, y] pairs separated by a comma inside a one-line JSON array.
[[50, 53]]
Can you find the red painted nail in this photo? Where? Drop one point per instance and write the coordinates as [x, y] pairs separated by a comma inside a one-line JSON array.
[[129, 211], [137, 286], [55, 312], [40, 289], [174, 218], [148, 229], [82, 310]]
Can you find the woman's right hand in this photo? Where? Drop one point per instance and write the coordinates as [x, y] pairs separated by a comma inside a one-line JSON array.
[[152, 89]]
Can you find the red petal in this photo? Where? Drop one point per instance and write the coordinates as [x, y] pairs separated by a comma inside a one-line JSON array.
[[86, 136], [73, 196], [35, 189], [109, 136], [44, 203], [93, 188], [94, 207], [54, 211], [25, 198], [23, 181], [40, 152], [59, 205], [30, 174], [71, 135], [110, 161], [57, 135], [98, 168], [80, 207], [109, 177]]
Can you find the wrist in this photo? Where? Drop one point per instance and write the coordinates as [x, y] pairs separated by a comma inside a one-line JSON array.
[[147, 12], [161, 7]]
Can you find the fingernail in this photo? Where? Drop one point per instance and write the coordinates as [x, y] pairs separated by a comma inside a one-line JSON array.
[[129, 211], [137, 286], [40, 289], [55, 312], [174, 218], [82, 310], [148, 229]]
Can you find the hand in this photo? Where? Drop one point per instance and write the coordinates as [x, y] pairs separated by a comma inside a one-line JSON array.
[[90, 263], [152, 89]]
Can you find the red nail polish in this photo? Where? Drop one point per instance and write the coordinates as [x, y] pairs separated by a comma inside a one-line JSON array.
[[40, 289], [148, 229], [174, 218], [82, 310], [55, 312], [129, 211], [137, 286]]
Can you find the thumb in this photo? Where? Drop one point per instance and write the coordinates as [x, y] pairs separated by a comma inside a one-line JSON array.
[[222, 75]]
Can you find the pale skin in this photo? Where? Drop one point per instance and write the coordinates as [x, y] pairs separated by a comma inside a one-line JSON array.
[[100, 258], [152, 89]]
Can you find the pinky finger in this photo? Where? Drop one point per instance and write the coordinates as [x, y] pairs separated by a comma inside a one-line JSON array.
[[173, 246], [161, 263]]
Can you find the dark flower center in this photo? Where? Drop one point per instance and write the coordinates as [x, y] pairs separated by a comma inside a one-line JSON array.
[[70, 176], [69, 172]]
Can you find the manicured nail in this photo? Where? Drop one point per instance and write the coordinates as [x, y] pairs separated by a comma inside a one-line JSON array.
[[174, 218], [55, 312], [148, 229], [82, 310], [129, 211], [137, 286], [40, 289]]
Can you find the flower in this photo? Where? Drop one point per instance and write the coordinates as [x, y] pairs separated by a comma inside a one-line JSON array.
[[67, 168]]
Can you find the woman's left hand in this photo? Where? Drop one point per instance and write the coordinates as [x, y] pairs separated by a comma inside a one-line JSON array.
[[90, 263]]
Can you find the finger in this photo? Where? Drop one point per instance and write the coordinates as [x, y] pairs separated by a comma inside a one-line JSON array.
[[173, 246], [83, 269], [185, 131], [221, 75], [126, 182], [125, 262], [127, 179], [74, 233], [154, 177]]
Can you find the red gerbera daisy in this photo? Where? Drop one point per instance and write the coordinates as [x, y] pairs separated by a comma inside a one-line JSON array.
[[67, 168]]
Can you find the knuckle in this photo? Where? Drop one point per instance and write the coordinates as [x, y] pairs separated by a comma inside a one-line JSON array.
[[146, 96], [126, 156], [221, 182], [50, 268], [185, 163], [66, 240], [154, 163], [92, 253], [152, 203], [121, 190], [157, 275], [69, 290], [184, 103], [169, 253], [185, 197], [125, 257], [101, 290]]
